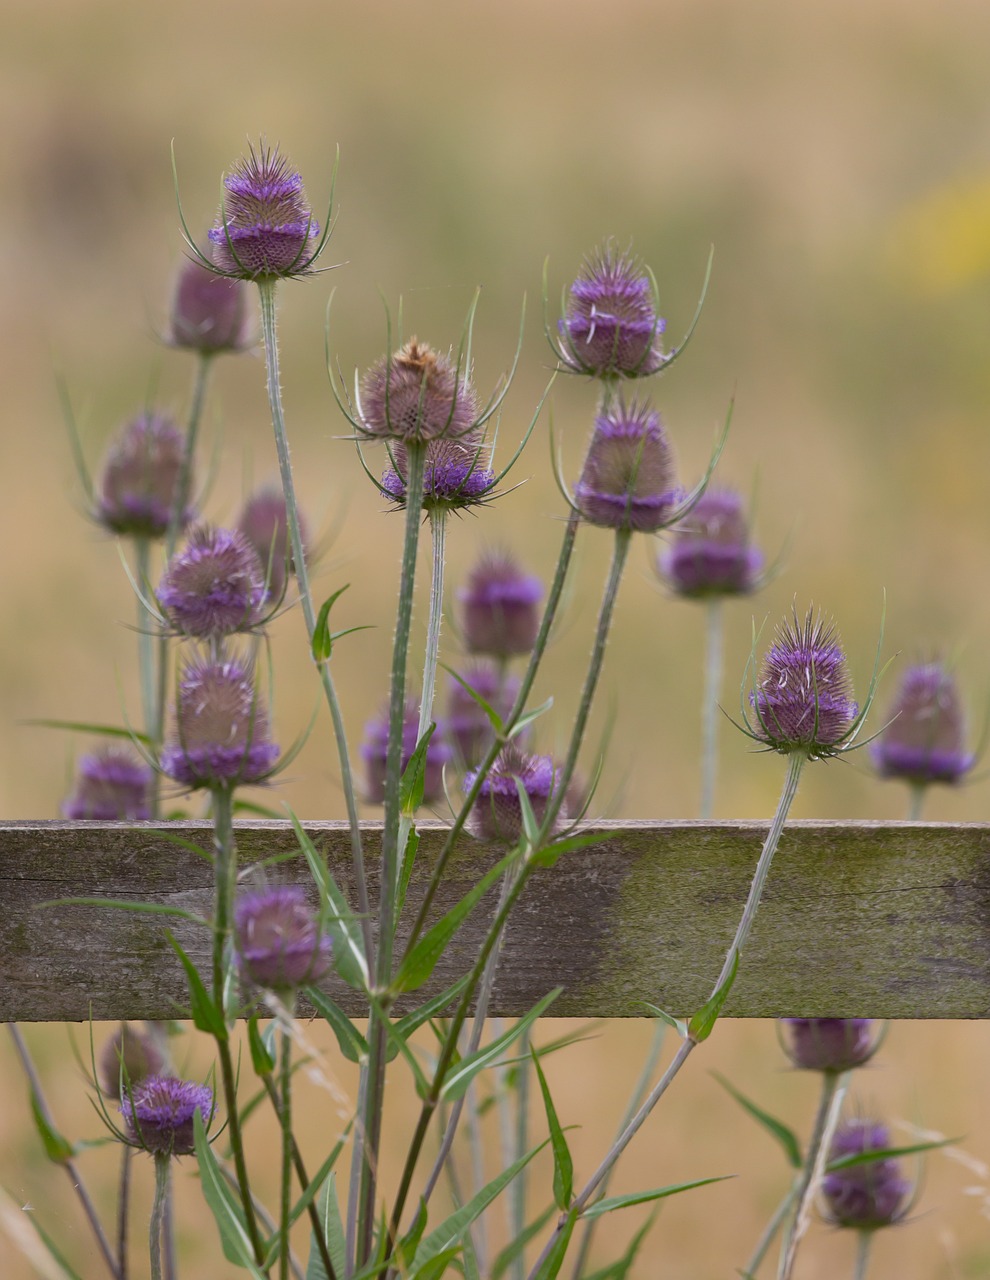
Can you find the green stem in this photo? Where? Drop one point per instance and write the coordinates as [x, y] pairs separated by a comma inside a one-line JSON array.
[[794, 765], [163, 1164], [146, 640], [183, 487], [549, 615], [123, 1207], [517, 1191], [285, 1119], [371, 1120], [266, 290], [225, 878], [834, 1086], [438, 530], [709, 706], [916, 803], [862, 1254]]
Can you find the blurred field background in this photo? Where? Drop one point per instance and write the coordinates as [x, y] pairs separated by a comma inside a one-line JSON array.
[[835, 153]]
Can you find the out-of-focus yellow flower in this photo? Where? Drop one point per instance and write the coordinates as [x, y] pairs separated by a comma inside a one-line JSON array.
[[941, 242]]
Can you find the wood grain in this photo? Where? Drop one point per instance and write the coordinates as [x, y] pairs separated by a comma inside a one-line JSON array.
[[858, 919]]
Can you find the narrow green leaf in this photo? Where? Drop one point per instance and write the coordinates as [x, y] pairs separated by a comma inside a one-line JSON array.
[[611, 1203], [305, 1200], [322, 642], [340, 922], [409, 845], [57, 1148], [563, 1165], [333, 1233], [515, 1247], [351, 1042], [205, 1014], [261, 1058], [419, 963], [527, 717], [226, 1209], [436, 1267], [414, 774], [103, 730], [776, 1128], [678, 1024], [548, 856], [407, 1246], [145, 908], [494, 719], [399, 1045], [459, 1077], [701, 1025], [469, 1261], [530, 823], [413, 1021], [450, 1232], [887, 1153], [551, 1264]]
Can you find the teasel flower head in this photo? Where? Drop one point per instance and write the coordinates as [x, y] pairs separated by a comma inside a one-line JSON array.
[[112, 785], [140, 479], [924, 740], [627, 481], [711, 554], [802, 698], [611, 328], [469, 730], [830, 1044], [126, 1060], [265, 230], [214, 586], [455, 473], [374, 752], [497, 812], [417, 395], [220, 736], [263, 522], [864, 1196], [499, 607], [159, 1114], [209, 312], [278, 942]]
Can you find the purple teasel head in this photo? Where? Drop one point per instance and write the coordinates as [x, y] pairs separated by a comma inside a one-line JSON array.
[[214, 586], [139, 483], [611, 328], [220, 735], [265, 229]]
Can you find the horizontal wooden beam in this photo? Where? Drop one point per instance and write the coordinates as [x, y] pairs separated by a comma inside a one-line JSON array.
[[858, 919]]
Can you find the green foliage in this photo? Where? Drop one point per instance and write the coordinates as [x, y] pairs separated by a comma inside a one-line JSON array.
[[224, 1205], [205, 1014], [776, 1128], [703, 1022], [563, 1165]]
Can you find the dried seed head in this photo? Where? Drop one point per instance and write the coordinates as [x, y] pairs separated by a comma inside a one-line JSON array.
[[417, 394]]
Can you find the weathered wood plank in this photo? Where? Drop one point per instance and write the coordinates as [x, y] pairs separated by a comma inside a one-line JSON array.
[[858, 919]]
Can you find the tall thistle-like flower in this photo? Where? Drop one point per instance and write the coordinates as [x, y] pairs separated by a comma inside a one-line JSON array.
[[374, 752], [220, 736], [627, 481], [455, 474], [416, 395], [265, 229], [802, 699], [711, 554], [497, 811], [277, 939], [159, 1114], [499, 607], [141, 473], [263, 523], [127, 1059], [924, 741], [864, 1196], [830, 1044], [215, 586], [112, 785], [611, 328], [209, 313]]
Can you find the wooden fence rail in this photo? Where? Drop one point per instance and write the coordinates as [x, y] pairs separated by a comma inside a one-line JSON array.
[[858, 919]]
